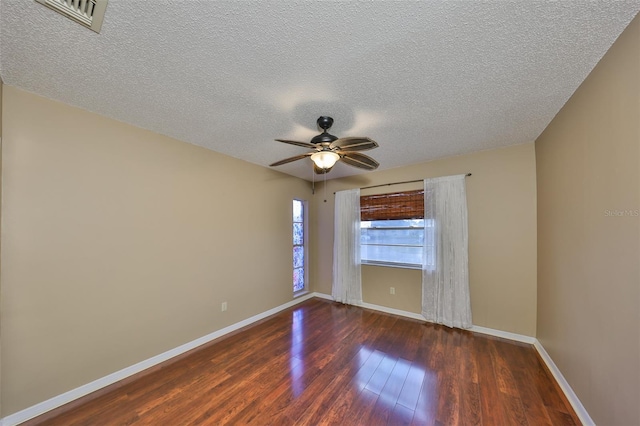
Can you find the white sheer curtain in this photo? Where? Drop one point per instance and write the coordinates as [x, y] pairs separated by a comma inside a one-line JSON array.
[[445, 269], [347, 282]]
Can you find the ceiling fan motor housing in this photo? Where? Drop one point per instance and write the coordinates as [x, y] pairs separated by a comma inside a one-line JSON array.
[[324, 138]]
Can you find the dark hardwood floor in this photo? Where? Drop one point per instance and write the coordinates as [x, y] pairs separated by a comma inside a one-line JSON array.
[[326, 363]]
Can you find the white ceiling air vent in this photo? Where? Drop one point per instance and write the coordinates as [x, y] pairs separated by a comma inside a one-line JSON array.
[[86, 12]]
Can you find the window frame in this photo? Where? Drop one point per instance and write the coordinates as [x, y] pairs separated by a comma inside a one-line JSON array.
[[404, 265], [401, 205], [304, 245]]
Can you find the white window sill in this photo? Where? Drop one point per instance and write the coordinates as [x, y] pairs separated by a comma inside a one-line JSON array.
[[393, 265]]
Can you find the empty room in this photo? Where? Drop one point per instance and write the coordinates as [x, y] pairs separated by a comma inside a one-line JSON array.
[[316, 212]]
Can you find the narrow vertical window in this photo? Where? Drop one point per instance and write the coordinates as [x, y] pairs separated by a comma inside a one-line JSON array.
[[299, 246]]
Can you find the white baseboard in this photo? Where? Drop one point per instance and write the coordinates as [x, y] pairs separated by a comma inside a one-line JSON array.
[[581, 412], [413, 315], [504, 334], [65, 398], [393, 311], [323, 296]]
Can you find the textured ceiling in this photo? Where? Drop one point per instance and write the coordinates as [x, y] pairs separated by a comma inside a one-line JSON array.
[[423, 79]]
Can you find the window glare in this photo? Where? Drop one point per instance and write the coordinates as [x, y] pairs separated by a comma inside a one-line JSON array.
[[404, 223], [297, 211], [396, 242]]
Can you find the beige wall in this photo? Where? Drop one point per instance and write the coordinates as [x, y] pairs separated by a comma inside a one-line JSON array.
[[119, 244], [502, 237], [588, 274], [1, 87]]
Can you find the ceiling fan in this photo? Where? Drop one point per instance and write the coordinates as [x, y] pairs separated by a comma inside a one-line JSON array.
[[329, 149]]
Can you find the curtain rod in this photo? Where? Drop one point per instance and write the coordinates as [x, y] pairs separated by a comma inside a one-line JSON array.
[[398, 183], [395, 183]]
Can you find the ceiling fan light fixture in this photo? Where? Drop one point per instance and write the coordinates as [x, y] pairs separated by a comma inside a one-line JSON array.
[[328, 149], [325, 159]]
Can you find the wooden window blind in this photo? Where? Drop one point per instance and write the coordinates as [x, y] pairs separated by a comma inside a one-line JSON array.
[[393, 206]]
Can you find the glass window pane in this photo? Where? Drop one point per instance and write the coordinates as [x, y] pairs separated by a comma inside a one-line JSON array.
[[413, 236], [298, 257], [393, 254], [298, 233], [405, 223], [298, 279], [298, 212]]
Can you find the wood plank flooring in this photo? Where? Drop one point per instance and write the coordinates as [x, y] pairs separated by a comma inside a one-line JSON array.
[[326, 363]]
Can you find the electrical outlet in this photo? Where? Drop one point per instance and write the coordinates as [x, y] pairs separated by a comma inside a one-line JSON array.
[[224, 306], [392, 290]]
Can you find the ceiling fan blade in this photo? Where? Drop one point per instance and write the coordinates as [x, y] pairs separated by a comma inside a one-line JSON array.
[[302, 144], [320, 171], [353, 144], [359, 160], [290, 159]]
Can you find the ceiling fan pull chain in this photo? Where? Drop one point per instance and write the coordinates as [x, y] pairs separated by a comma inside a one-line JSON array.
[[325, 186]]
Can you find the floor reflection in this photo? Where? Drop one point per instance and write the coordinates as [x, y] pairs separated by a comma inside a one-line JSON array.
[[296, 364], [397, 381]]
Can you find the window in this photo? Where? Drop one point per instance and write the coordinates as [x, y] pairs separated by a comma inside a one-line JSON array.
[[299, 246], [397, 242], [392, 230]]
